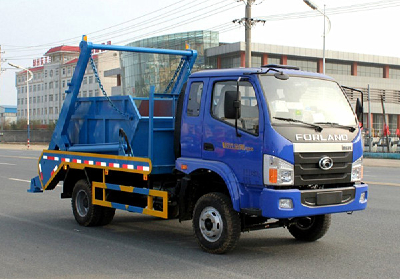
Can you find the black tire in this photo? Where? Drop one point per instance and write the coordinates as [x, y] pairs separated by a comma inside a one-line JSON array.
[[216, 224], [85, 213], [107, 215], [310, 228]]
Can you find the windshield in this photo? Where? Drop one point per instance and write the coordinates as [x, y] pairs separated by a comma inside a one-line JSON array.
[[307, 99]]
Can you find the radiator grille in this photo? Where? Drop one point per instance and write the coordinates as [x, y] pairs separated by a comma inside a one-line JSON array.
[[308, 172]]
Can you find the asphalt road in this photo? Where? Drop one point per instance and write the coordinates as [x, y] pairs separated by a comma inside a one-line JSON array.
[[39, 238]]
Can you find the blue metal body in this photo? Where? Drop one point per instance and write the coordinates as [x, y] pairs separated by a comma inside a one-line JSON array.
[[61, 137], [92, 124]]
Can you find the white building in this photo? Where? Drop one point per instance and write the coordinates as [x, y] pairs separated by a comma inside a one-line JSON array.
[[47, 88]]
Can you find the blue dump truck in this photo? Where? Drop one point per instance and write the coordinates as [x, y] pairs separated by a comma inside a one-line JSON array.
[[234, 150]]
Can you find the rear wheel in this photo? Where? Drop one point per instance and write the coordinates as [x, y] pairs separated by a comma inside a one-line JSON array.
[[107, 216], [216, 224], [85, 213], [310, 228]]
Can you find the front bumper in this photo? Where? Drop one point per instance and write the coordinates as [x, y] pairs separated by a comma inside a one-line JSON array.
[[269, 201]]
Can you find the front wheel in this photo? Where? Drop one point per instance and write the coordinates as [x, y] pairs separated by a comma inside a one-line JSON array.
[[216, 224], [310, 228]]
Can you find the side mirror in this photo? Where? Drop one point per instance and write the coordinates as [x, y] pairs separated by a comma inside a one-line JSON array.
[[359, 111], [232, 105]]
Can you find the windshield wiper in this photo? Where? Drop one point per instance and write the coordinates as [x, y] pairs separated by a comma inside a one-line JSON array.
[[317, 128], [350, 128]]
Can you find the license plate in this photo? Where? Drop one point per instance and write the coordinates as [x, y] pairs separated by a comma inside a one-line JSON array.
[[329, 198]]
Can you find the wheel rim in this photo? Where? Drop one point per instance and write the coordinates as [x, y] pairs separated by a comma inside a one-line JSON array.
[[211, 225], [82, 203], [305, 223]]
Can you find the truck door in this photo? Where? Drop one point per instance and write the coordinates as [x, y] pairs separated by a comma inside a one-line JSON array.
[[220, 142], [192, 118]]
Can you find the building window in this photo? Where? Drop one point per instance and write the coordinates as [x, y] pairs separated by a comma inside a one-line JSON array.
[[377, 120], [230, 62], [63, 83], [369, 71], [84, 80], [394, 73], [51, 85], [56, 72], [274, 60], [63, 71], [50, 110], [90, 93], [84, 93], [304, 65], [69, 70], [45, 73], [96, 92], [337, 68], [90, 79], [256, 61], [50, 98], [56, 84]]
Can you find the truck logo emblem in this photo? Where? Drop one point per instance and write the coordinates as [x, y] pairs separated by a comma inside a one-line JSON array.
[[325, 163]]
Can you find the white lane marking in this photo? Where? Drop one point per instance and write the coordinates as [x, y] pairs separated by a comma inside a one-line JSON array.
[[8, 164], [21, 180], [382, 183], [24, 180]]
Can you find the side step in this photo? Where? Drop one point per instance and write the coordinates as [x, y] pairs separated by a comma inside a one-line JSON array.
[[148, 210]]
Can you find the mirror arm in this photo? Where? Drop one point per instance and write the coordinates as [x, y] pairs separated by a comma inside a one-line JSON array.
[[362, 101]]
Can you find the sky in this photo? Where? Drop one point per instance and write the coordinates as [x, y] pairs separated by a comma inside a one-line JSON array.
[[28, 28]]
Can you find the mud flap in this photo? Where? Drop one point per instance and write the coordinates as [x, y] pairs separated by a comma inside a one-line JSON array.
[[36, 186]]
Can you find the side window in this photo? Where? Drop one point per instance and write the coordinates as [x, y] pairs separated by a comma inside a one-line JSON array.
[[249, 110], [194, 102]]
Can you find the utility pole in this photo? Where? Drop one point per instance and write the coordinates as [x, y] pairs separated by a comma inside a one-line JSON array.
[[248, 23]]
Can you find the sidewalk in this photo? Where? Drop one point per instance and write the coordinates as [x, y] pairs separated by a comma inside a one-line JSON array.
[[22, 146]]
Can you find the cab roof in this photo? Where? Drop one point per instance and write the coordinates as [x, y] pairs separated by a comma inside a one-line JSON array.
[[271, 69]]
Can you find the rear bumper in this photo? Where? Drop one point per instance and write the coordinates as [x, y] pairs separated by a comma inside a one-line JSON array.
[[269, 202]]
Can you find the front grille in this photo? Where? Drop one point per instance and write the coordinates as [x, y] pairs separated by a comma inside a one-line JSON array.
[[308, 172]]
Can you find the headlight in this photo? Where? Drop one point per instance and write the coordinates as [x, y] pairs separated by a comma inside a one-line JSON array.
[[357, 170], [277, 171]]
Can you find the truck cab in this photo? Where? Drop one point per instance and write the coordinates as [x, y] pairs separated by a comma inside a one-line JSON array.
[[286, 143]]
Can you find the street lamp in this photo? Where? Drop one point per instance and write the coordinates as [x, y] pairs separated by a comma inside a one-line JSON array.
[[27, 94], [315, 7]]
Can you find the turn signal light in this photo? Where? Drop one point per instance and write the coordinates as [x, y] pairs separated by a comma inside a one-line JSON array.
[[273, 175]]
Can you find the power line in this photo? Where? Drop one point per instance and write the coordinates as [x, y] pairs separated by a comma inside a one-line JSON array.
[[222, 28], [107, 28]]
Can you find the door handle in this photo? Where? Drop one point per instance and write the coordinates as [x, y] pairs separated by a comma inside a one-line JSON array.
[[208, 146]]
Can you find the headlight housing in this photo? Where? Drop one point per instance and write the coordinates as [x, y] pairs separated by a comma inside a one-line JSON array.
[[357, 170], [277, 171]]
